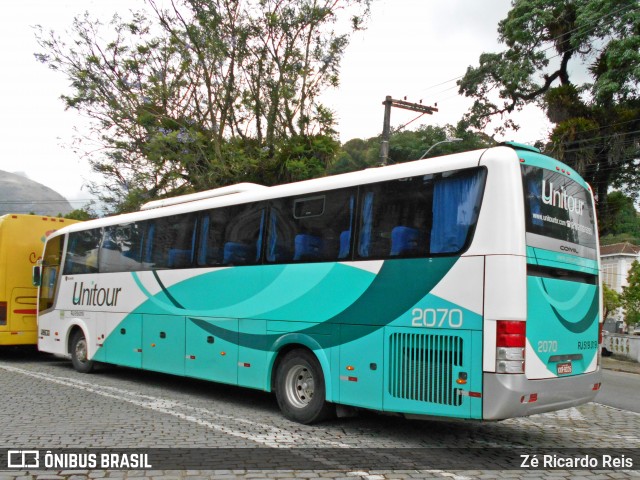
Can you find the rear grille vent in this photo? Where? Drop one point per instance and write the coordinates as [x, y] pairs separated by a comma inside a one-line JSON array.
[[422, 367]]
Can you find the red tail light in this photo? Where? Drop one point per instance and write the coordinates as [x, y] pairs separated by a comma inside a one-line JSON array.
[[510, 345], [3, 313], [511, 333]]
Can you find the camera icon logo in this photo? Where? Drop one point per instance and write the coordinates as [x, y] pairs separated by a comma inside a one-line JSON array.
[[23, 459]]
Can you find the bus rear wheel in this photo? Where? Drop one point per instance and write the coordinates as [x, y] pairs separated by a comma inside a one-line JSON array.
[[300, 388], [80, 353]]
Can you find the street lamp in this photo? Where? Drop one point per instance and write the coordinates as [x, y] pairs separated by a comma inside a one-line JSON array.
[[448, 140]]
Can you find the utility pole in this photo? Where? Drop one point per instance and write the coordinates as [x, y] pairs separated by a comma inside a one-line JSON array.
[[386, 125]]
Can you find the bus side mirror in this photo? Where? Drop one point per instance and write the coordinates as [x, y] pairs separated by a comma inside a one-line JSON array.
[[36, 276]]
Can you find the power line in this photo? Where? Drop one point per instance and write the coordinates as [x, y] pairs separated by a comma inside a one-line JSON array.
[[41, 202]]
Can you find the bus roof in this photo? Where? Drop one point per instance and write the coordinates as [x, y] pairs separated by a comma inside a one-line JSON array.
[[209, 199]]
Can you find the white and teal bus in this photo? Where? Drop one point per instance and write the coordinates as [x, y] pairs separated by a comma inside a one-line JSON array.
[[463, 286]]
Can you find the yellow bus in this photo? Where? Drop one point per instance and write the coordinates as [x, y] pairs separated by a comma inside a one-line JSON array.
[[22, 240]]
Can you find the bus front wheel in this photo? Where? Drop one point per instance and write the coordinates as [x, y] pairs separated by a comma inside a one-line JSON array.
[[300, 388], [80, 354]]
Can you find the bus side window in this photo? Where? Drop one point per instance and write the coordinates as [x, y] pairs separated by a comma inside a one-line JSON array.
[[395, 218], [121, 248], [231, 235], [314, 228], [242, 240], [82, 252], [173, 243], [456, 205]]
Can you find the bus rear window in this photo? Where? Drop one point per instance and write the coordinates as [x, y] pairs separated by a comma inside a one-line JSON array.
[[557, 207]]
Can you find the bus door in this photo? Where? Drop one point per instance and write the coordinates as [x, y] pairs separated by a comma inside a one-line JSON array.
[[361, 366], [125, 343], [163, 343], [212, 349]]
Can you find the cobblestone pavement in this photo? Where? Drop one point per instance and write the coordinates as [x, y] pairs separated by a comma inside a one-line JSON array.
[[47, 405]]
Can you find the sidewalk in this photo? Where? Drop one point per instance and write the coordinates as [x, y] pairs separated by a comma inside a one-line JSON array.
[[620, 364]]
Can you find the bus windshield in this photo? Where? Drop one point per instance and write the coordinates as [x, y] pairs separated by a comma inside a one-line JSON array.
[[559, 208], [50, 268]]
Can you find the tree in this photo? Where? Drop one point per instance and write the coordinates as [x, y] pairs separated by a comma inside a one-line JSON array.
[[81, 214], [631, 295], [620, 220], [611, 300], [204, 93], [408, 145], [579, 61]]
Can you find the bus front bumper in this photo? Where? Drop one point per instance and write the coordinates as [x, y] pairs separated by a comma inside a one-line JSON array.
[[507, 396]]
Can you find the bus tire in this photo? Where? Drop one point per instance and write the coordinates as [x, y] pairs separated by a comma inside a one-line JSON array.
[[300, 388], [79, 353]]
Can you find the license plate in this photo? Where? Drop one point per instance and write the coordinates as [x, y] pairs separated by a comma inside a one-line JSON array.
[[564, 368]]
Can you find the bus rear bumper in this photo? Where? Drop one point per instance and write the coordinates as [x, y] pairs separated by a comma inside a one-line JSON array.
[[507, 396]]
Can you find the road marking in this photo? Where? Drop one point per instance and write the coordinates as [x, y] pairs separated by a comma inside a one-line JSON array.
[[273, 437], [284, 438]]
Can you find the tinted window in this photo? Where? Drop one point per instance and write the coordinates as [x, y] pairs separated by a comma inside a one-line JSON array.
[[50, 267], [456, 205], [312, 228], [82, 252], [396, 218], [121, 249], [420, 216], [558, 207], [170, 242], [231, 236]]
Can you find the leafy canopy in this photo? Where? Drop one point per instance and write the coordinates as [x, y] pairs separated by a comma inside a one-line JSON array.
[[579, 60], [205, 92], [631, 295]]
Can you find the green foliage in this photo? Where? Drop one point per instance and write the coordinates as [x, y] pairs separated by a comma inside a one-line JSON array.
[[631, 295], [580, 62], [81, 214], [620, 216], [302, 158], [407, 145], [620, 238], [204, 93], [611, 300]]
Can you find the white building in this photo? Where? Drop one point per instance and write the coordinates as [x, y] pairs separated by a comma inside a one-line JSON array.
[[616, 261]]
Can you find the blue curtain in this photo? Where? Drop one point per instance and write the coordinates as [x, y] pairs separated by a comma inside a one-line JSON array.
[[454, 203], [204, 244], [272, 239], [259, 242], [345, 236], [367, 224], [149, 243]]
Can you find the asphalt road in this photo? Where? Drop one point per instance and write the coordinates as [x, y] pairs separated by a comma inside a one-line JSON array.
[[620, 390]]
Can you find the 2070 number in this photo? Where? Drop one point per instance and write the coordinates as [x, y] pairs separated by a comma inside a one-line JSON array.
[[436, 317]]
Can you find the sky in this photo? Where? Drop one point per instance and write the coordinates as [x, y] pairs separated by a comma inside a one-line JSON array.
[[411, 48]]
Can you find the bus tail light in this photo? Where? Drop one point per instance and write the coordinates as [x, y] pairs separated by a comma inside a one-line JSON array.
[[510, 342], [3, 313]]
